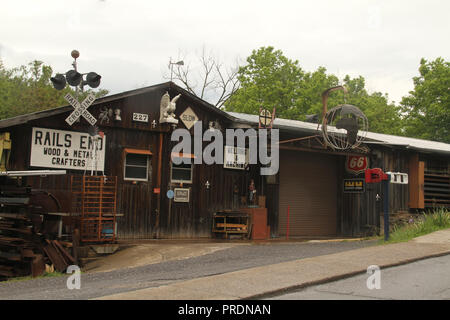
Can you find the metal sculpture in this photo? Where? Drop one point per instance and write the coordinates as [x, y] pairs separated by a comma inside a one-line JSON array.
[[105, 115], [344, 126]]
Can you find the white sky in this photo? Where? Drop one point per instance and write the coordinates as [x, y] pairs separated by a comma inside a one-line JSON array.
[[129, 42]]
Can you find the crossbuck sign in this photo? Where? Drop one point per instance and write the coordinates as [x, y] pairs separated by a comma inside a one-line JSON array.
[[80, 109]]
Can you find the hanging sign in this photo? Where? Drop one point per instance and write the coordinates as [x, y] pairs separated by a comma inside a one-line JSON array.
[[354, 186], [356, 164], [235, 158], [67, 150]]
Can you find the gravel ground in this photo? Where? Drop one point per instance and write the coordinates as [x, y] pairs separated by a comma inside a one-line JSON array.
[[236, 258]]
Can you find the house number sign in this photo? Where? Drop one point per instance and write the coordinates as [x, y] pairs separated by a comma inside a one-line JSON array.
[[140, 117]]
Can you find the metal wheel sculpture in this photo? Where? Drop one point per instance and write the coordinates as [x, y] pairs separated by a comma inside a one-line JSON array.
[[344, 126]]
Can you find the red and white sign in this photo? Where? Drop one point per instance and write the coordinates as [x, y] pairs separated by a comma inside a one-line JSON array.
[[357, 164]]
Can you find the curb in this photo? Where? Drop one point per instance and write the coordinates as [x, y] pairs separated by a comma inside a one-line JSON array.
[[336, 278]]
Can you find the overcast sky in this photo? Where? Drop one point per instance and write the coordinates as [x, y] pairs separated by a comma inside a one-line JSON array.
[[130, 42]]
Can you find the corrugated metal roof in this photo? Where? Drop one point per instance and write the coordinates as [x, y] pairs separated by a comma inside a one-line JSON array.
[[373, 138]]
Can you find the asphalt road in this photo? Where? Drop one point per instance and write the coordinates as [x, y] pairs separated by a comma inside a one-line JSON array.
[[236, 258], [422, 280]]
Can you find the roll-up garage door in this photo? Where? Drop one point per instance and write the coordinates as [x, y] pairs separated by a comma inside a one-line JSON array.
[[308, 185]]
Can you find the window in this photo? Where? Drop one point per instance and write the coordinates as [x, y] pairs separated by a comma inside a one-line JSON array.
[[181, 173], [136, 165]]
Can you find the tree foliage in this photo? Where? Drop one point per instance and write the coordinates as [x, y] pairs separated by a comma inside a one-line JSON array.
[[269, 79], [272, 80], [427, 108], [27, 89], [383, 117]]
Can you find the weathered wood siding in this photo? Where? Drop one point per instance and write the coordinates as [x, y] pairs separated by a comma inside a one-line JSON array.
[[360, 212], [136, 200]]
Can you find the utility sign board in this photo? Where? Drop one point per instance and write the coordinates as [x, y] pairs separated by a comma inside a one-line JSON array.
[[67, 150], [354, 186], [235, 158], [80, 109], [181, 194]]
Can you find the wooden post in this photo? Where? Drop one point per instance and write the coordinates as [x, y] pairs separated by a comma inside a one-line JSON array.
[[416, 183], [75, 244], [287, 225], [158, 182]]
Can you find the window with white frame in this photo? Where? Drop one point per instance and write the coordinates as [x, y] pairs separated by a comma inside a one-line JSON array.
[[136, 166], [181, 173]]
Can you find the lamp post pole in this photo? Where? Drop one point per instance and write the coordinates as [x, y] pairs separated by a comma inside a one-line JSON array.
[[385, 186], [179, 63]]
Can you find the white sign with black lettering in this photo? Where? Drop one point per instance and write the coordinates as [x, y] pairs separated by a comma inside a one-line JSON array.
[[67, 150], [140, 117], [181, 194], [80, 109], [235, 158]]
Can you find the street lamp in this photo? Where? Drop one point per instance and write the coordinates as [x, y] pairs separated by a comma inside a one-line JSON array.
[[74, 78], [179, 63]]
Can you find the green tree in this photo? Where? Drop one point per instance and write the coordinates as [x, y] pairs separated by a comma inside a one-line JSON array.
[[427, 108], [272, 80], [268, 80], [27, 89], [383, 117]]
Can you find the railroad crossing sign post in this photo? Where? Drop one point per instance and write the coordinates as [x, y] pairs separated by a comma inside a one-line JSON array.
[[80, 109], [266, 118], [75, 79]]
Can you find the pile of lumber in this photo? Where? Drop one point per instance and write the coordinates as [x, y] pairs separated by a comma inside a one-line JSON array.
[[25, 247], [19, 248], [24, 252]]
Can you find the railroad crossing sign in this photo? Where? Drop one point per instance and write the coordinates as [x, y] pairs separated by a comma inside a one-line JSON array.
[[265, 118], [80, 109]]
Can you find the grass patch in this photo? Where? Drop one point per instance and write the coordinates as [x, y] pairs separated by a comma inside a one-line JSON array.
[[45, 275], [437, 220]]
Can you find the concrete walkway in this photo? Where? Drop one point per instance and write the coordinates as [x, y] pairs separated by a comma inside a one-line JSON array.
[[256, 282], [142, 254]]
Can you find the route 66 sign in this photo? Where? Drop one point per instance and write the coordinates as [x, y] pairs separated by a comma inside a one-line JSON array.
[[357, 164]]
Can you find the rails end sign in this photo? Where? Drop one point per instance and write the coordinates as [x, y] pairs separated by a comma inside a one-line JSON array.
[[52, 148]]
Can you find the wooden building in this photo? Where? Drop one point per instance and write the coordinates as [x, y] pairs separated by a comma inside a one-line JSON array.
[[137, 149], [308, 197]]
